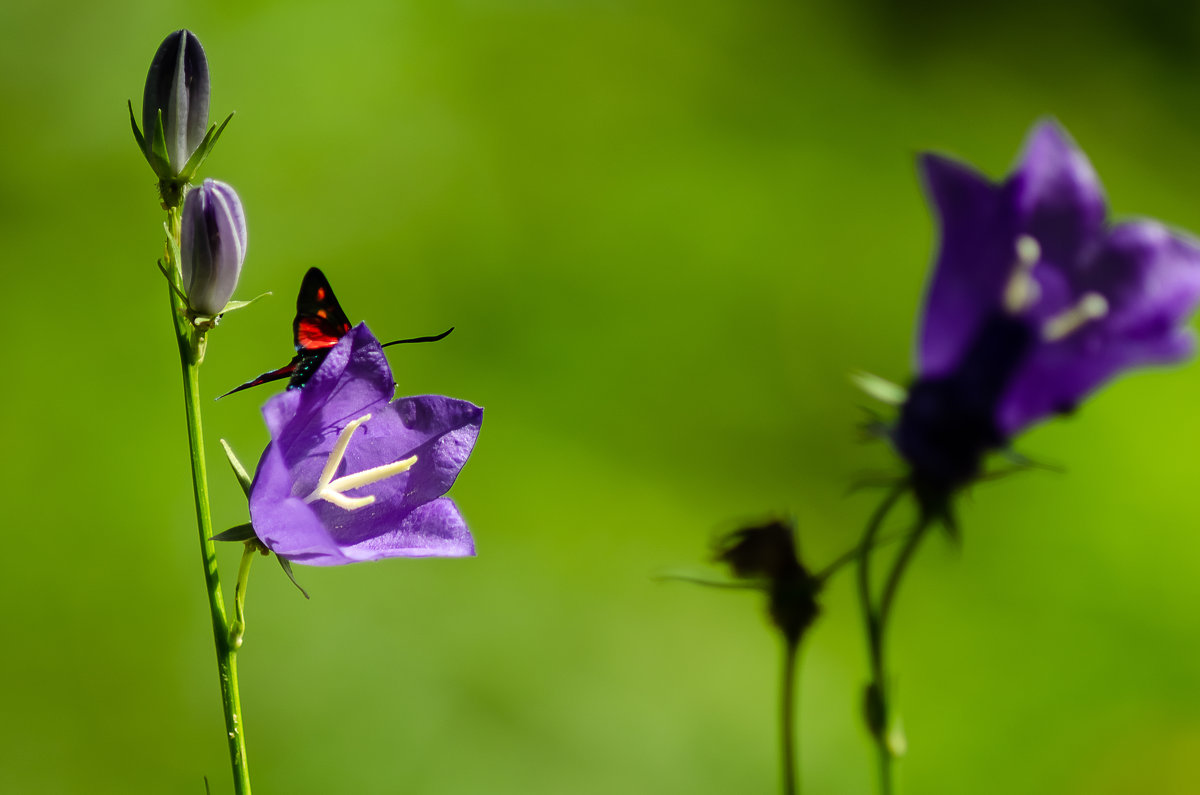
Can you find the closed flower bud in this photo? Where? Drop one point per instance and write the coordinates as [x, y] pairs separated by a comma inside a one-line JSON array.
[[212, 246], [768, 553], [177, 86]]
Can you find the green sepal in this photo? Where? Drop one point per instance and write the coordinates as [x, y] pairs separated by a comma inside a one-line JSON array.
[[287, 569], [158, 149], [202, 151], [238, 469], [174, 276], [713, 582], [207, 322], [172, 247], [137, 131], [233, 306], [171, 281], [243, 532], [881, 389], [1021, 462], [156, 158]]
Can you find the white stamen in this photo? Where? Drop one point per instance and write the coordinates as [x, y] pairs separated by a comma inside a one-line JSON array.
[[331, 490], [344, 502], [372, 475], [1090, 306], [338, 452], [1028, 250], [1022, 292]]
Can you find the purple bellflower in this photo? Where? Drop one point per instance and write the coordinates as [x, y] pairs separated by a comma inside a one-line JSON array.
[[349, 476], [212, 246], [1035, 301]]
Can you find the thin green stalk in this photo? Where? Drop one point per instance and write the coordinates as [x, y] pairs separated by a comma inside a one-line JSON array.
[[238, 628], [877, 703], [787, 717], [903, 558], [191, 354]]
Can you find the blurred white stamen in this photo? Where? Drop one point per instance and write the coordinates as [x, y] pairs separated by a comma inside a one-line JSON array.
[[331, 490], [1021, 292], [1090, 306]]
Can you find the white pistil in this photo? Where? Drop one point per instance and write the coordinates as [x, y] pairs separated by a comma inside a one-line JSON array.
[[1090, 306], [332, 490], [1021, 292]]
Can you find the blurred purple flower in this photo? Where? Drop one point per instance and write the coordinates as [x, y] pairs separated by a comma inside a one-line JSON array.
[[1035, 302], [349, 476]]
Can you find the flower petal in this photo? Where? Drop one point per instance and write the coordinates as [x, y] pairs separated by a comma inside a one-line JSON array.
[[354, 380], [1057, 195], [288, 526], [433, 529], [1150, 279], [973, 265]]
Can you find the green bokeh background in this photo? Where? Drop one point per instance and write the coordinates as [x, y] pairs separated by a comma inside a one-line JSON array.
[[665, 232]]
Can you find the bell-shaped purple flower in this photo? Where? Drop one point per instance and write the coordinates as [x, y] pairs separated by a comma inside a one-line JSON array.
[[212, 246], [1035, 302], [349, 476], [177, 86]]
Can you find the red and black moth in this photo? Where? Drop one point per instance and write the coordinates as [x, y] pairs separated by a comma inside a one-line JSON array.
[[319, 324]]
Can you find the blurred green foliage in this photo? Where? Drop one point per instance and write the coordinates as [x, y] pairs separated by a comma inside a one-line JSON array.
[[665, 233]]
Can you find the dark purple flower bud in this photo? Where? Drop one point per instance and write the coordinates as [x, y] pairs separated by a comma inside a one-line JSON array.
[[351, 475], [767, 553], [1035, 302], [177, 86], [212, 246]]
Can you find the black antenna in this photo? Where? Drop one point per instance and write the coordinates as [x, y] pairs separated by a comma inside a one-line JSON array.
[[441, 336]]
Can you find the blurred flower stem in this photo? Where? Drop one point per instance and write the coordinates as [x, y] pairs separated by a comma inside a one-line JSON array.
[[787, 716], [877, 706], [766, 557], [191, 354]]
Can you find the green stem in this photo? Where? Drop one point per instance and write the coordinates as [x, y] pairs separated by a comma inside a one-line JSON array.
[[903, 558], [191, 354], [238, 627], [787, 717], [877, 706]]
